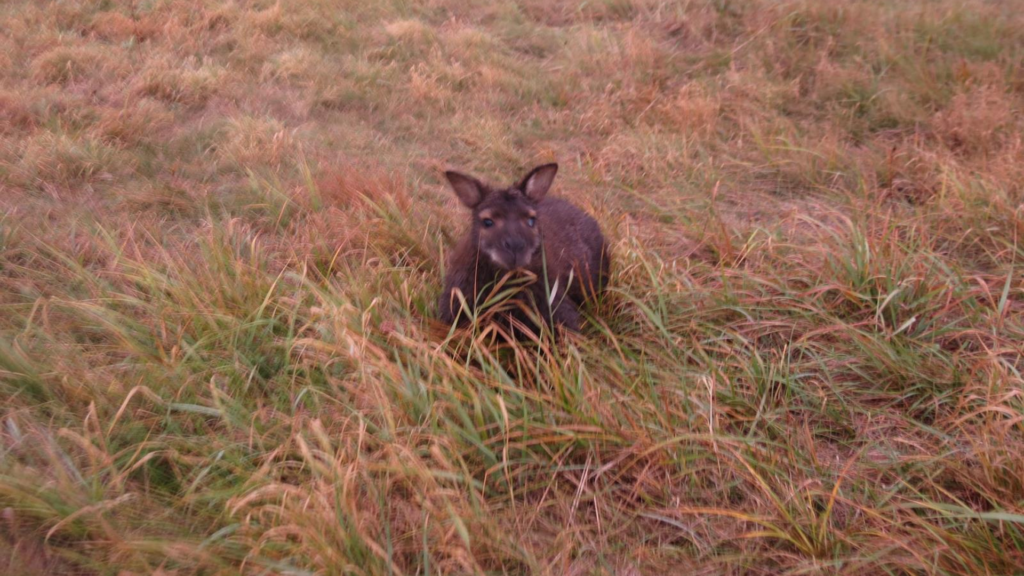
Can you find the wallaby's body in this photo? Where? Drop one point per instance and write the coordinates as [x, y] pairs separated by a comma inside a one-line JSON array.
[[519, 229]]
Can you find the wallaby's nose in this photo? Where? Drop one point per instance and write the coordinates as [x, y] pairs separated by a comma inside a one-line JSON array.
[[513, 246], [516, 248]]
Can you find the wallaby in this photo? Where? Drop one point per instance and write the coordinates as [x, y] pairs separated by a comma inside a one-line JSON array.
[[519, 229]]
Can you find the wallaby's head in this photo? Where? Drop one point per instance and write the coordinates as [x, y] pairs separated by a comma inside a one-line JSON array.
[[504, 222]]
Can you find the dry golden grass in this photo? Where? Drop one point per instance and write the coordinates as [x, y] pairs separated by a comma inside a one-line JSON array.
[[223, 229]]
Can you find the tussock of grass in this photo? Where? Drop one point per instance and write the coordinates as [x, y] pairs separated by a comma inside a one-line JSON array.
[[222, 234]]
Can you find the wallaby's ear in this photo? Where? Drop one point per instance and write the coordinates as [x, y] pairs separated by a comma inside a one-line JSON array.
[[469, 190], [538, 181]]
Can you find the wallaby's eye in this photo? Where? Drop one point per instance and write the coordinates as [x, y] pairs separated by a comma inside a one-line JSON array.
[[531, 222], [488, 222]]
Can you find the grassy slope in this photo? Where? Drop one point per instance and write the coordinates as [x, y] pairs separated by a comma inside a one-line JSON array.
[[221, 235]]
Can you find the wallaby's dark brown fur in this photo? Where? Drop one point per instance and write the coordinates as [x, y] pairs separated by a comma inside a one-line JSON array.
[[519, 229]]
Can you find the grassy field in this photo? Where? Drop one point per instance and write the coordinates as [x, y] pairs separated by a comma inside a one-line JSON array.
[[223, 225]]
